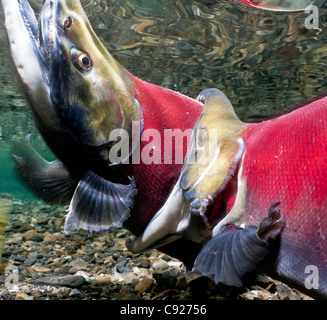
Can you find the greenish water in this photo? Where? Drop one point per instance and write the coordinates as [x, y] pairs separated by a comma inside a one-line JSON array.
[[263, 61]]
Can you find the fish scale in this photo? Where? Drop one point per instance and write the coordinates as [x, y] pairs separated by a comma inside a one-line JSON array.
[[165, 109], [297, 179]]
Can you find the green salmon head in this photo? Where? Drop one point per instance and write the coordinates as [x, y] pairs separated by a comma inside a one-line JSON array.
[[92, 93], [79, 96]]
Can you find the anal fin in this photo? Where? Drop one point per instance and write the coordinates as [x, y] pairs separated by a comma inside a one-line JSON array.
[[232, 253], [99, 205]]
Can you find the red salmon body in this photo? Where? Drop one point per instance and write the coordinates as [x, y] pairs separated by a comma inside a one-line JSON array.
[[162, 109], [285, 160]]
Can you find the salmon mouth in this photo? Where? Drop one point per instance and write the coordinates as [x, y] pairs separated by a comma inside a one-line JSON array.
[[41, 33], [46, 29]]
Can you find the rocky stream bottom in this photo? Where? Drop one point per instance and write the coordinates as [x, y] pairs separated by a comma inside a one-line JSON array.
[[40, 262]]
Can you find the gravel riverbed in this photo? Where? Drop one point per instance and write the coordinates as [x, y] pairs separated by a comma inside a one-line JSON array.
[[40, 262]]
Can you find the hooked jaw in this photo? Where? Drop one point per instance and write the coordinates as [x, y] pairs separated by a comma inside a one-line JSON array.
[[29, 59]]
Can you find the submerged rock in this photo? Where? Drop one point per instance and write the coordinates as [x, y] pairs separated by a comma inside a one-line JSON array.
[[144, 285], [63, 281]]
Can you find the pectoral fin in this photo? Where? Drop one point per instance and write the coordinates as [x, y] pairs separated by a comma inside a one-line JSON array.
[[99, 205], [231, 254], [50, 180]]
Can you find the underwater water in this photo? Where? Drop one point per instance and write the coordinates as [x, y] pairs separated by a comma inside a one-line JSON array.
[[263, 61]]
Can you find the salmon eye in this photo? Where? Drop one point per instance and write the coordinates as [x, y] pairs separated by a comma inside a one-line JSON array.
[[81, 60], [85, 62], [68, 22]]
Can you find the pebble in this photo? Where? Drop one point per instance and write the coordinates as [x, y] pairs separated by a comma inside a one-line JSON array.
[[75, 293], [23, 296], [39, 269], [50, 238], [36, 238], [64, 281], [79, 266], [59, 252], [103, 279], [145, 263], [160, 264], [28, 234], [32, 258], [144, 285], [166, 279]]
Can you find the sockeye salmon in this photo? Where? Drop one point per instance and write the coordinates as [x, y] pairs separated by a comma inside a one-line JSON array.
[[246, 196]]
